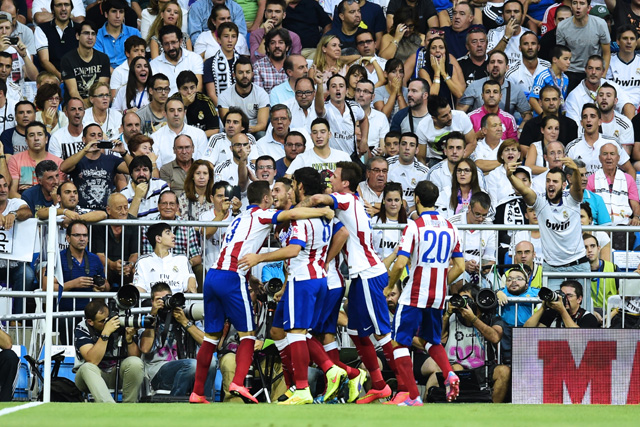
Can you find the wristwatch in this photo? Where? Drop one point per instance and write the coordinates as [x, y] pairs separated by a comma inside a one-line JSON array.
[[104, 337], [188, 325]]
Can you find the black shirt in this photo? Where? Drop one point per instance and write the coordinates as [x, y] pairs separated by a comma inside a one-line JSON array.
[[547, 43], [202, 113], [584, 319], [424, 10], [471, 71], [114, 251], [307, 20], [85, 73], [456, 42], [531, 131]]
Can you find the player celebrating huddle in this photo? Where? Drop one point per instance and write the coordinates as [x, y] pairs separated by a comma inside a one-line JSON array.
[[226, 292], [430, 242]]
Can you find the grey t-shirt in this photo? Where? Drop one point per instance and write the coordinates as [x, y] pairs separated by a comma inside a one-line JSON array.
[[146, 115], [583, 41], [250, 104], [381, 94], [517, 99]]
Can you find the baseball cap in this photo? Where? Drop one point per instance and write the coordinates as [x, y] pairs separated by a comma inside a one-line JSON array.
[[600, 11], [5, 16], [525, 169]]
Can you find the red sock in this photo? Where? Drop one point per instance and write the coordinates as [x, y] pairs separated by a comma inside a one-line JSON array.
[[299, 359], [244, 357], [287, 368], [405, 370], [368, 356], [203, 362], [439, 356], [388, 354], [334, 354], [318, 355]]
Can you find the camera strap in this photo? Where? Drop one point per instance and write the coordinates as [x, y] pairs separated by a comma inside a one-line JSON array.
[[165, 337], [85, 256]]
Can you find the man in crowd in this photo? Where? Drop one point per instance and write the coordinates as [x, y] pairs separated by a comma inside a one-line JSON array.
[[131, 126], [624, 64], [13, 139], [614, 125], [456, 34], [491, 97], [550, 100], [508, 38], [96, 343], [50, 44], [175, 172], [269, 70], [112, 36], [200, 111], [67, 141], [143, 192], [378, 123], [219, 147], [295, 67], [174, 58], [199, 16], [44, 193], [321, 156], [307, 19], [154, 114], [272, 143], [523, 71], [294, 144], [366, 46], [601, 288], [474, 63], [351, 17], [134, 46], [408, 119], [371, 189], [302, 104], [274, 13], [406, 169]]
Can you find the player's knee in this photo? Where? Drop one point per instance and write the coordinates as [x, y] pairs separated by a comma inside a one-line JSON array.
[[277, 334]]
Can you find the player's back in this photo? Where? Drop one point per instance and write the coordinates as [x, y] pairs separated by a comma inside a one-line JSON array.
[[245, 235], [359, 249], [430, 241], [314, 235]]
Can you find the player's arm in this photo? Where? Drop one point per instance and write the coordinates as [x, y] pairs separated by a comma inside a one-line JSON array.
[[528, 194], [317, 200], [251, 260], [576, 187], [396, 272], [337, 242], [305, 213]]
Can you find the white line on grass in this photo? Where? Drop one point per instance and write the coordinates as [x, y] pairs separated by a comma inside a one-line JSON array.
[[6, 411]]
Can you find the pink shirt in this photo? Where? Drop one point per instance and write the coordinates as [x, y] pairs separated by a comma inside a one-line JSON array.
[[631, 185], [509, 126], [23, 168]]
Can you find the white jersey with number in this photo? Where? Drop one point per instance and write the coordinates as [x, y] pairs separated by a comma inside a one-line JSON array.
[[174, 270], [429, 242], [578, 149], [627, 76], [408, 176], [314, 236], [245, 235], [361, 256]]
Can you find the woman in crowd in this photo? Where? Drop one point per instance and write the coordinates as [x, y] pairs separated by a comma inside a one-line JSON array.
[[150, 14], [392, 211], [354, 75], [142, 145], [198, 191], [134, 94], [464, 183], [498, 185], [402, 41], [393, 95], [170, 14], [443, 72], [604, 241], [109, 119], [47, 102], [550, 128], [208, 42], [328, 60]]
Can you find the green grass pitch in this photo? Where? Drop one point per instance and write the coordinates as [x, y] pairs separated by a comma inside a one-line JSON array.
[[230, 414]]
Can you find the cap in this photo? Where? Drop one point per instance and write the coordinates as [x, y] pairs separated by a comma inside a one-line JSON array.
[[525, 169], [600, 11], [5, 16]]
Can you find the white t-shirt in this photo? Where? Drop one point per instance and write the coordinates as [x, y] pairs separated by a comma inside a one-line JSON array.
[[250, 104], [218, 149], [213, 244], [111, 126], [582, 95], [310, 159], [579, 149], [440, 175], [342, 127], [174, 270], [147, 19], [63, 145], [620, 129], [476, 244], [207, 43], [8, 115], [560, 230], [120, 101], [408, 176], [189, 61], [119, 76], [429, 135], [378, 128], [626, 75], [163, 143], [513, 46], [484, 152], [519, 74], [385, 241], [298, 117]]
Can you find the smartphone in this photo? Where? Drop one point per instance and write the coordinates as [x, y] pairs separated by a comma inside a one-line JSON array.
[[14, 40], [231, 191], [108, 145]]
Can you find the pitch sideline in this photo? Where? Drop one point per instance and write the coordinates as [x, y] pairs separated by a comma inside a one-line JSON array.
[[6, 411]]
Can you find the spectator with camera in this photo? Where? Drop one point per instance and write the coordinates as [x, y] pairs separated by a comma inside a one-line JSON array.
[[163, 266], [562, 309], [470, 333], [82, 272], [169, 348], [100, 344]]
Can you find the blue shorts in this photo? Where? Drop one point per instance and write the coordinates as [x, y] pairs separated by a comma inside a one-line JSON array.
[[328, 321], [303, 305], [278, 315], [409, 321], [368, 311], [226, 295]]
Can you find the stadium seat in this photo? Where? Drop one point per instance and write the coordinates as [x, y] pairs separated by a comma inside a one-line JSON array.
[[66, 367]]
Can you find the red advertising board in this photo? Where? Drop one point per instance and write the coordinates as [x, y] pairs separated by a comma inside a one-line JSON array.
[[599, 366]]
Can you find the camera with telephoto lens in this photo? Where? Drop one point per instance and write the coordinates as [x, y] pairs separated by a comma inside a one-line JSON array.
[[273, 286], [128, 297], [172, 302], [486, 301], [548, 295], [194, 312]]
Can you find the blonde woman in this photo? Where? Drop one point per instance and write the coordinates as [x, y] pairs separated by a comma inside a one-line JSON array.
[[170, 14], [328, 60]]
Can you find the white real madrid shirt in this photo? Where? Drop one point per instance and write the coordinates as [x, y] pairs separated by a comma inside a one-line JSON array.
[[175, 270], [408, 176]]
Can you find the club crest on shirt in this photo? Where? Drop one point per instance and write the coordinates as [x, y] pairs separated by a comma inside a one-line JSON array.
[[565, 214], [175, 268], [200, 115]]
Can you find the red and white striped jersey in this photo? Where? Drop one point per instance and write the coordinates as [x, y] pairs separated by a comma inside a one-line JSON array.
[[245, 235], [360, 253], [429, 242], [314, 235], [334, 277]]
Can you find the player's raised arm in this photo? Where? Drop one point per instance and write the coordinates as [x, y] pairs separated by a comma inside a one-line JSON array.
[[317, 200]]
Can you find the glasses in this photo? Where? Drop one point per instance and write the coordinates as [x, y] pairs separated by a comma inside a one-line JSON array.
[[289, 145], [265, 167], [479, 215], [78, 235], [88, 33], [464, 170], [101, 95], [162, 89], [378, 171], [238, 145], [304, 92], [364, 42], [516, 279], [436, 31], [54, 98], [367, 92]]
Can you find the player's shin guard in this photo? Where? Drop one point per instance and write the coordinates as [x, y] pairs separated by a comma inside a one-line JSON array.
[[244, 357], [332, 350], [387, 348], [203, 362], [368, 356], [285, 356], [317, 353], [299, 359], [405, 370], [439, 355]]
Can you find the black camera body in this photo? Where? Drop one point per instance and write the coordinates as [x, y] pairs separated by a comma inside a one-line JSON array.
[[548, 295], [128, 297], [231, 191], [273, 286], [485, 300], [98, 280]]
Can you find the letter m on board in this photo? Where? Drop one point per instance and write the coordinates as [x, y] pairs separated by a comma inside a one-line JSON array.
[[560, 370]]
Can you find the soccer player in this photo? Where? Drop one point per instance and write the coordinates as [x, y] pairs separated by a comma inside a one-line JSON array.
[[226, 292], [430, 242], [368, 311]]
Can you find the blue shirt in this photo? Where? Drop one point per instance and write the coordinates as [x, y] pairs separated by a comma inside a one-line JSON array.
[[199, 16], [598, 208], [75, 271], [281, 93], [114, 48], [524, 310], [35, 199]]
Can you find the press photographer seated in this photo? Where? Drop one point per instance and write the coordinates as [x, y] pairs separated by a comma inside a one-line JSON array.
[[106, 351], [562, 309], [169, 348]]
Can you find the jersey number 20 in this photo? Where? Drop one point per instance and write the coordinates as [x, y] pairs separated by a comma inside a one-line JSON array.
[[438, 246]]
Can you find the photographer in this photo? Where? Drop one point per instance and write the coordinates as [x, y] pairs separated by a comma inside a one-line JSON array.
[[465, 332], [168, 352], [100, 342], [565, 311], [82, 271]]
